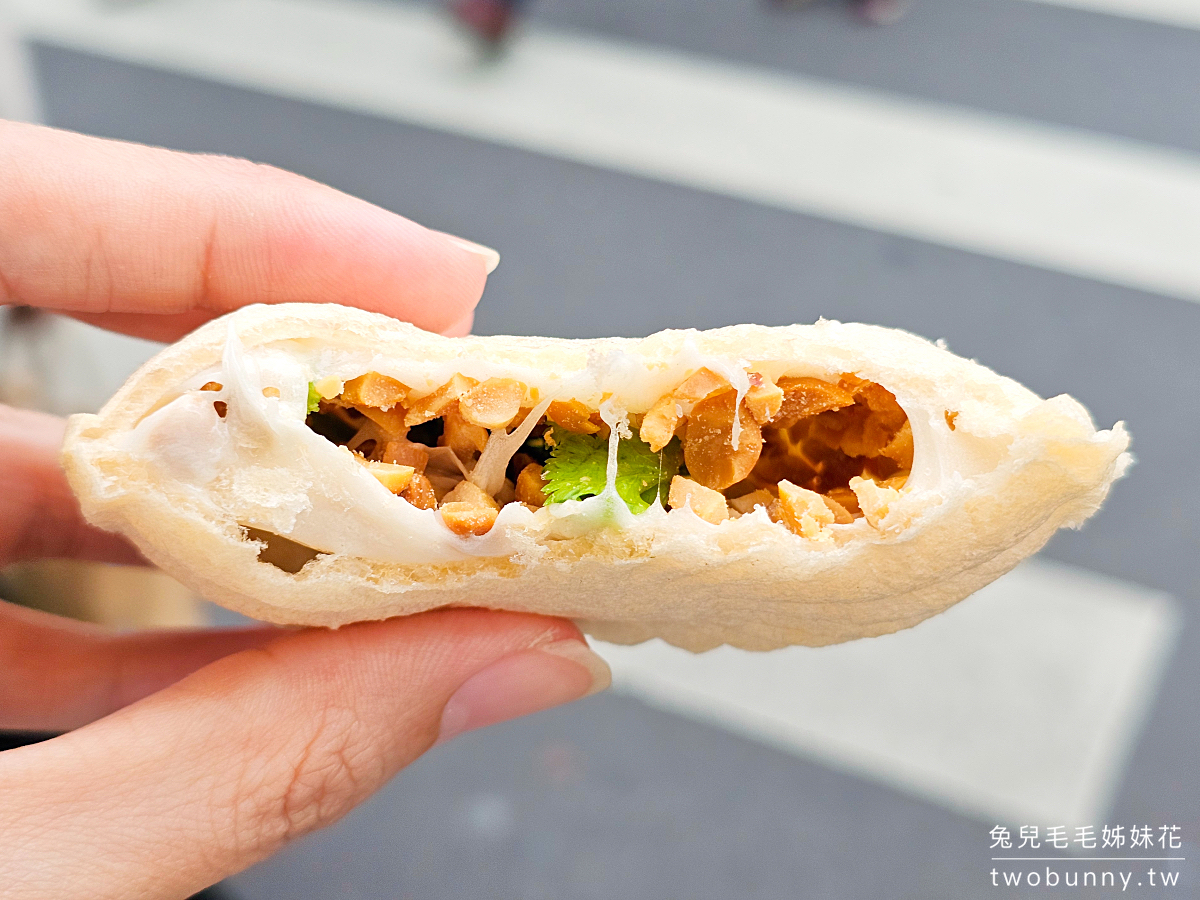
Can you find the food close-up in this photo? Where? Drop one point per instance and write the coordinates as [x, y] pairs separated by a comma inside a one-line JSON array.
[[564, 450], [761, 486]]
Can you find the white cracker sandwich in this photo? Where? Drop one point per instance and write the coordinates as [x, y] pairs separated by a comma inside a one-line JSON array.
[[809, 484]]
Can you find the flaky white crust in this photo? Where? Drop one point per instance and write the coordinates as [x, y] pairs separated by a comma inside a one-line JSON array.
[[1051, 469]]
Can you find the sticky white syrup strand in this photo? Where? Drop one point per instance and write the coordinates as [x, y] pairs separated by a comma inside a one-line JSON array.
[[488, 473]]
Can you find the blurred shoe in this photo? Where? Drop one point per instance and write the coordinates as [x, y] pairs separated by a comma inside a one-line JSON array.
[[489, 19]]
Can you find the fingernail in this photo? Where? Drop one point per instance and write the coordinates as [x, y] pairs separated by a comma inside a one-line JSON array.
[[523, 683], [491, 258]]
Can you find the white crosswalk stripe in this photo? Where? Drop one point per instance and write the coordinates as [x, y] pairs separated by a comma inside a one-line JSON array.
[[1018, 705], [1180, 13], [1085, 204]]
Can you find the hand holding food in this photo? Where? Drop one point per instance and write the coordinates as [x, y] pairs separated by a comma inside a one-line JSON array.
[[193, 754]]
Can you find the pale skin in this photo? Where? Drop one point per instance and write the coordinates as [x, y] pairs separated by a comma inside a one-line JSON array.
[[188, 756]]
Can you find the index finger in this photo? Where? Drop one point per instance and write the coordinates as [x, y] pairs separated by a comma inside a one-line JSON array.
[[153, 242]]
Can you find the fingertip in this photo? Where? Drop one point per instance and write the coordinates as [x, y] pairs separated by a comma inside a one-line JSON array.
[[490, 256], [462, 327]]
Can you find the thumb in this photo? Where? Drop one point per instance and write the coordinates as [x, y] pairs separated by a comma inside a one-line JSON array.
[[223, 768]]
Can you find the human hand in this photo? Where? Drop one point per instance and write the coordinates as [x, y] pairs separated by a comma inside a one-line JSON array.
[[196, 754]]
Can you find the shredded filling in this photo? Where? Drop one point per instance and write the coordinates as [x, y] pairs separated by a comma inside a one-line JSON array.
[[800, 448]]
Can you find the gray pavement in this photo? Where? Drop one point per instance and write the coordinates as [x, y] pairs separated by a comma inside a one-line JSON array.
[[610, 798]]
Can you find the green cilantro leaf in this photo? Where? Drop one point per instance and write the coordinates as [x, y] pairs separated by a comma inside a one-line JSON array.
[[578, 464], [314, 399]]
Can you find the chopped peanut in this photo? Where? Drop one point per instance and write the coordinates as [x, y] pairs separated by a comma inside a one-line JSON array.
[[464, 519], [870, 425], [708, 442], [394, 478], [950, 417], [804, 512], [659, 423], [900, 448], [406, 453], [764, 399], [572, 416], [749, 502], [329, 387], [468, 509], [464, 438], [471, 494], [492, 404], [874, 499], [602, 428], [373, 390], [432, 405], [270, 392], [530, 484], [420, 492], [846, 499], [841, 515], [704, 502], [391, 421], [803, 397], [213, 386]]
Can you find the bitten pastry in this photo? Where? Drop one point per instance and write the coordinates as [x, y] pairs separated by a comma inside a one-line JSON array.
[[810, 484]]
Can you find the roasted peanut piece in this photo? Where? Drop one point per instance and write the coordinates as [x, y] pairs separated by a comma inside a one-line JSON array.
[[804, 397], [846, 499], [212, 386], [461, 436], [471, 494], [708, 442], [530, 484], [951, 415], [464, 519], [271, 392], [900, 448], [764, 399], [405, 453], [394, 478], [373, 390], [432, 405], [391, 421], [329, 387], [420, 492], [804, 512], [572, 416], [749, 502], [708, 504], [492, 404], [841, 515], [875, 500], [659, 424]]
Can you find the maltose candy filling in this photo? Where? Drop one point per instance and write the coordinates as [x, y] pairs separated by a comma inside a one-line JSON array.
[[400, 465]]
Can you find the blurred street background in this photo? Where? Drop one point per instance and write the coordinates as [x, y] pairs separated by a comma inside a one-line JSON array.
[[1018, 177]]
